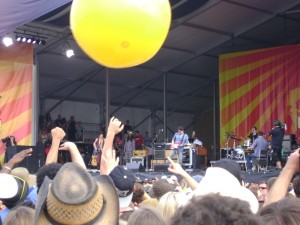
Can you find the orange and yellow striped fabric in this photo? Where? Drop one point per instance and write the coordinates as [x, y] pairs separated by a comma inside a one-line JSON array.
[[16, 66], [256, 87]]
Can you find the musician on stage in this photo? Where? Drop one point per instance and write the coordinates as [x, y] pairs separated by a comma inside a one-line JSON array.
[[277, 134], [253, 135], [98, 146], [259, 144], [178, 141]]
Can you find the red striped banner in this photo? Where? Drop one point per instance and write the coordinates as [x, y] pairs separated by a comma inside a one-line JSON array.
[[257, 87], [16, 63]]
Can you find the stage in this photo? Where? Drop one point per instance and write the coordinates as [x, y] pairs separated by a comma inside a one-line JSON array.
[[249, 177]]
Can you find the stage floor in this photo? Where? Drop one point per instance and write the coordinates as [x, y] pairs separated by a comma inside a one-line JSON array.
[[249, 177]]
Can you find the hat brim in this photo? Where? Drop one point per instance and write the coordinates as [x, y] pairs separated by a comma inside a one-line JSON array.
[[219, 180], [109, 213]]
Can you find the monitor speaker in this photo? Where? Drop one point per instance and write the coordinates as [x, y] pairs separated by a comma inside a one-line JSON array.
[[160, 167], [135, 167]]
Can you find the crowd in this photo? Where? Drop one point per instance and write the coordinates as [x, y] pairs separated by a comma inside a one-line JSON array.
[[68, 194]]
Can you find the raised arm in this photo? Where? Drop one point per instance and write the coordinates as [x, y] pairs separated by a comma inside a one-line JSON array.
[[57, 135], [17, 158], [177, 169], [74, 152], [280, 187], [108, 160]]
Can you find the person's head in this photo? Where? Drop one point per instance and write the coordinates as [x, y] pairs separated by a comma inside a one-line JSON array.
[[20, 215], [260, 133], [214, 209], [50, 170], [75, 197], [137, 132], [254, 129], [219, 180], [138, 193], [296, 186], [169, 203], [283, 212], [124, 180], [12, 138], [162, 187], [277, 123], [101, 136], [146, 215], [127, 122], [262, 187], [180, 129]]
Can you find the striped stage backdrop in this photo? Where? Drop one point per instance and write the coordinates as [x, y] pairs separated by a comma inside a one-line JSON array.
[[257, 87], [16, 65]]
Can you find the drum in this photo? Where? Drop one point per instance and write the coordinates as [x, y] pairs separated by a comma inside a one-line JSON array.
[[238, 153]]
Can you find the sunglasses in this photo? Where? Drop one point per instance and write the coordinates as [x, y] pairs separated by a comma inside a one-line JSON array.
[[262, 188]]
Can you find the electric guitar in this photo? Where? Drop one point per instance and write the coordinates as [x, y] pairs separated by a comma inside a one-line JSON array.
[[176, 146]]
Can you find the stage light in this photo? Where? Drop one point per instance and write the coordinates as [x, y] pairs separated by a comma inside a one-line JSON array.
[[29, 40], [33, 41], [7, 41], [43, 42], [24, 39], [18, 38], [69, 53]]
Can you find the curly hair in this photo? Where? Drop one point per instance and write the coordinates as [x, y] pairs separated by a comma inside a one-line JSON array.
[[215, 209], [283, 212]]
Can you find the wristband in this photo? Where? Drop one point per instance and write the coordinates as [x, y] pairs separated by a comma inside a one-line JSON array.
[[7, 167]]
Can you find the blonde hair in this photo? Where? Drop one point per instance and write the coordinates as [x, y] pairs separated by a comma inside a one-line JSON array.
[[170, 202], [21, 215], [146, 215]]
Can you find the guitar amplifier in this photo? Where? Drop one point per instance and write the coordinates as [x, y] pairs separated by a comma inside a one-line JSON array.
[[159, 146], [159, 154], [137, 160]]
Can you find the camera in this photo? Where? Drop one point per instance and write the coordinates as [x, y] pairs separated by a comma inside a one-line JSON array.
[[5, 140]]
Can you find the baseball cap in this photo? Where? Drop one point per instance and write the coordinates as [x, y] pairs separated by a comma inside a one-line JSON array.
[[124, 180], [231, 166]]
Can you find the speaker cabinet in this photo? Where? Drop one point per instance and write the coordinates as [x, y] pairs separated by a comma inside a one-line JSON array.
[[135, 167], [287, 143], [160, 167], [159, 154], [32, 163]]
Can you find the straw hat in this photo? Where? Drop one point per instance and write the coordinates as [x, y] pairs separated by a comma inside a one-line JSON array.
[[219, 180], [74, 197], [24, 173]]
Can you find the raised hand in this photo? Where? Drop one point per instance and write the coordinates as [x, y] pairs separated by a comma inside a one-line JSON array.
[[19, 157], [58, 133], [115, 126], [175, 168], [66, 146]]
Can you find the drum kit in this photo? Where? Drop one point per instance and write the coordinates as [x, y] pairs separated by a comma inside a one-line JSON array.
[[237, 151]]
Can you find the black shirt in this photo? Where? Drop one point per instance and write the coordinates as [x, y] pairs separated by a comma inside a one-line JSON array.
[[277, 137]]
